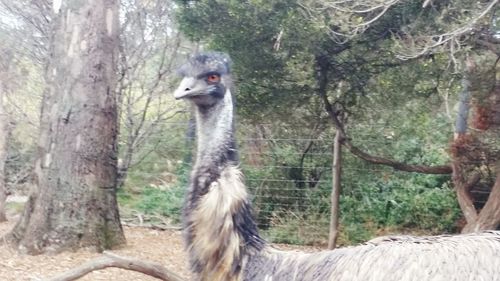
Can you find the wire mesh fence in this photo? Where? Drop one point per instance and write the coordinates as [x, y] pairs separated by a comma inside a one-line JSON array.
[[289, 179], [289, 185]]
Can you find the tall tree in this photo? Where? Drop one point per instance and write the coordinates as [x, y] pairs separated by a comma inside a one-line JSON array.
[[476, 149], [74, 202]]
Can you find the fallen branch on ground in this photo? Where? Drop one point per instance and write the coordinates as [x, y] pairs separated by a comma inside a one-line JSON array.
[[112, 260]]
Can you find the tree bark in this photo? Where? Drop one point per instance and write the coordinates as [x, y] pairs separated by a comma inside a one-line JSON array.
[[462, 189], [463, 107], [489, 217], [476, 81], [335, 196], [3, 154], [74, 202], [461, 182]]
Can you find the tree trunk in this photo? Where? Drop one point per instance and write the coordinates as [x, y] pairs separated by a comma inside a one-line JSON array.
[[467, 171], [489, 217], [461, 183], [463, 105], [462, 189], [335, 197], [3, 154], [74, 202]]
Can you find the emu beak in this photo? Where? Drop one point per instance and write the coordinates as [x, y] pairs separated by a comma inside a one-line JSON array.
[[189, 87]]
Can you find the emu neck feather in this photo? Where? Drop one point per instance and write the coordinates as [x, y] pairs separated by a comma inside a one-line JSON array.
[[215, 132], [218, 226]]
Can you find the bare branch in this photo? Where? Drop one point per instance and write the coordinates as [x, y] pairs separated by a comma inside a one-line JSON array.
[[357, 16], [112, 260], [348, 19], [423, 45]]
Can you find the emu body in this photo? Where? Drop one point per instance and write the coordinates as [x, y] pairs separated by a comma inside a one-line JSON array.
[[436, 258], [222, 238]]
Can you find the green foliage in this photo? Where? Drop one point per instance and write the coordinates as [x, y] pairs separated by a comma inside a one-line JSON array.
[[394, 109], [293, 204], [248, 31], [156, 185], [378, 208], [166, 202], [393, 206]]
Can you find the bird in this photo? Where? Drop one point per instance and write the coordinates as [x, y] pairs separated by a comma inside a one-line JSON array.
[[222, 238]]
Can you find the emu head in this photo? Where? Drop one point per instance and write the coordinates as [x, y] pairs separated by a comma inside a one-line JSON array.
[[206, 78]]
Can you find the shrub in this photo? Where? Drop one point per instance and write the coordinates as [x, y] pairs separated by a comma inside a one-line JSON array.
[[166, 202]]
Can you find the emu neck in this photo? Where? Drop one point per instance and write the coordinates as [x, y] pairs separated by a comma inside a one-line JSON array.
[[218, 225], [216, 144]]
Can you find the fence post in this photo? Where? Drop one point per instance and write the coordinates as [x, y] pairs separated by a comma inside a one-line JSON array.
[[335, 195]]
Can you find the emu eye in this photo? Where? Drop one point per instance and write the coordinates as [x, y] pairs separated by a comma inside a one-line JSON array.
[[213, 78]]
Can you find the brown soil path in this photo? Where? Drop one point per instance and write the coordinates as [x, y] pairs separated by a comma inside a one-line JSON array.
[[164, 247]]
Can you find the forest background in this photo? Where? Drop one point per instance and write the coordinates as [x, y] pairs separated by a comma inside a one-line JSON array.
[[408, 90]]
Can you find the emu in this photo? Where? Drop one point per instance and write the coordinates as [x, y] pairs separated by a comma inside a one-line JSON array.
[[222, 238]]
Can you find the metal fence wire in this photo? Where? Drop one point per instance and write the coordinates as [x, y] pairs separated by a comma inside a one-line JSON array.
[[288, 177]]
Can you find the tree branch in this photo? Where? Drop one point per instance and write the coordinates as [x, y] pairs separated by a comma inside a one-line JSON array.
[[434, 41], [437, 170], [112, 260], [333, 113]]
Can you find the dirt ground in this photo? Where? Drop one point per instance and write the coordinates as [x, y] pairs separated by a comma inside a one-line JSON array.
[[164, 247]]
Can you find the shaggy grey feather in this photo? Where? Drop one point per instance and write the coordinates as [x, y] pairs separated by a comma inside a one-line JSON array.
[[437, 258], [222, 238]]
